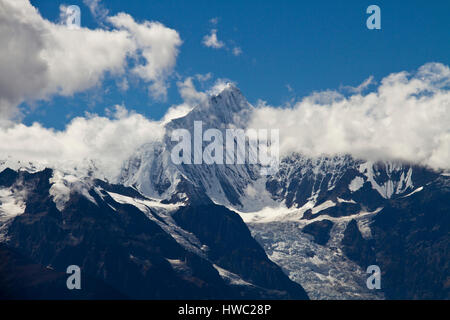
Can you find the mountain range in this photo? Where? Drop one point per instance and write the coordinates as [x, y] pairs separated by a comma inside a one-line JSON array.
[[162, 230]]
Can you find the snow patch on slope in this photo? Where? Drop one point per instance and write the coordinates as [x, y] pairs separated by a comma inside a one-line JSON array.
[[391, 186], [356, 184], [327, 204], [164, 211], [415, 191], [12, 204], [231, 277]]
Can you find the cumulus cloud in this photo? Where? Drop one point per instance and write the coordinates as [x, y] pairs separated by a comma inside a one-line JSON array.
[[86, 143], [211, 40], [406, 118], [192, 96], [39, 59], [189, 93], [157, 44]]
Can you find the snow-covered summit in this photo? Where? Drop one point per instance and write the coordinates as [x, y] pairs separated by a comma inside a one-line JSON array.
[[223, 108], [300, 181]]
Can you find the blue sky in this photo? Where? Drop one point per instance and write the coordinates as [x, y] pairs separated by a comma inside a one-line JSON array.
[[306, 45]]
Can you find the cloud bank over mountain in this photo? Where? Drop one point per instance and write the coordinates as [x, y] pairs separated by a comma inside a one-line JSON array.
[[88, 143], [406, 118]]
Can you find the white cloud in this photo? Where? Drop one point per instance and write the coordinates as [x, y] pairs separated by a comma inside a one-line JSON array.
[[237, 51], [363, 86], [123, 84], [86, 142], [220, 85], [97, 9], [203, 77], [188, 92], [157, 44], [211, 40], [176, 111], [192, 97], [406, 118], [39, 59]]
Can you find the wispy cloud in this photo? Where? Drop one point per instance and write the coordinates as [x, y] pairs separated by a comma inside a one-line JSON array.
[[237, 51], [214, 21], [97, 9], [363, 86], [211, 40]]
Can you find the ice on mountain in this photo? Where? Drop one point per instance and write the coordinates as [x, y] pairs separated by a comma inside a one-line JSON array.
[[12, 204], [164, 211], [325, 205], [356, 184], [231, 277]]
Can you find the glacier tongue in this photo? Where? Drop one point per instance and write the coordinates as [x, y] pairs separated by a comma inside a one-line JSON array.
[[324, 271]]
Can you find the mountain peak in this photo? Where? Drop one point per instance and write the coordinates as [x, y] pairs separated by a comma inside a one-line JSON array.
[[224, 88], [227, 98], [225, 105]]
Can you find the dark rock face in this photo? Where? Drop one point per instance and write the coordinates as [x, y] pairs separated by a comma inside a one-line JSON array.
[[123, 248], [411, 243], [320, 230], [122, 252], [21, 278], [356, 247], [8, 177]]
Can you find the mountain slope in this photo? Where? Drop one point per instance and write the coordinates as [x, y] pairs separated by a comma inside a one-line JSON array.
[[127, 244], [411, 244]]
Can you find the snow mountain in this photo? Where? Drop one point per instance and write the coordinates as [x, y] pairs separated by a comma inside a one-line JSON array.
[[304, 193], [186, 231]]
